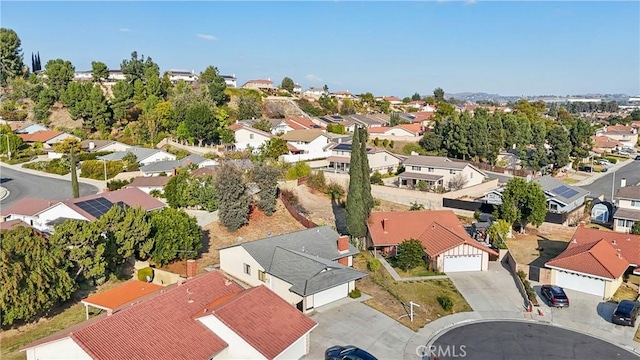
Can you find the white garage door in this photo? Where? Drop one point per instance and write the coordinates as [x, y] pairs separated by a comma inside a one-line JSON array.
[[462, 263], [580, 283], [330, 295]]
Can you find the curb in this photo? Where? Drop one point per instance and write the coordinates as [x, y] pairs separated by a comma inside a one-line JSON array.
[[4, 193]]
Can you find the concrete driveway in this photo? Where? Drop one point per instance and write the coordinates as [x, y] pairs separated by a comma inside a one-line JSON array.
[[492, 293], [349, 322]]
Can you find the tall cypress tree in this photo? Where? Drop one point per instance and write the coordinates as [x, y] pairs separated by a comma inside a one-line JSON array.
[[75, 188], [367, 198], [38, 63], [33, 63], [355, 208]]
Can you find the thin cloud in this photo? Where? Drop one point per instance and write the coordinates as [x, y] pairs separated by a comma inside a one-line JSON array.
[[207, 37], [314, 78], [124, 30]]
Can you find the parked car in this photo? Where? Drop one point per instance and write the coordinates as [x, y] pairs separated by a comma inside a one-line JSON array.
[[637, 157], [348, 352], [586, 168], [604, 162], [555, 295], [623, 153], [626, 313]]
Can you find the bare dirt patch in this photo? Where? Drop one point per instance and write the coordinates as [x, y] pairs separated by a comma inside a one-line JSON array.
[[538, 246], [60, 117], [281, 222]]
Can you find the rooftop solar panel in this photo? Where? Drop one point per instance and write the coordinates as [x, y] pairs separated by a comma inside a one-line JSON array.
[[95, 207], [569, 193], [560, 189]]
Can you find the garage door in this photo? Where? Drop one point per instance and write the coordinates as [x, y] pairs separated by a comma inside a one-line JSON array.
[[330, 295], [462, 263], [580, 283]]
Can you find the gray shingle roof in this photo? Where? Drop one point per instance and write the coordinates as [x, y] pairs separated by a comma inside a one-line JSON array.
[[559, 189], [300, 258], [629, 192], [140, 153], [169, 165], [434, 161]]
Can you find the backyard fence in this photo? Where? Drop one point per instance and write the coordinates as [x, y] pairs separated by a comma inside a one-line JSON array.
[[296, 215]]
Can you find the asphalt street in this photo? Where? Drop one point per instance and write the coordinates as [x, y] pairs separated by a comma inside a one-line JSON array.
[[522, 340], [602, 186], [21, 185]]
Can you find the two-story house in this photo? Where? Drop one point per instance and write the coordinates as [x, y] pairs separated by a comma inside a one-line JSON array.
[[380, 160], [314, 92], [248, 136], [309, 143], [627, 212], [627, 135], [186, 76], [230, 80], [283, 126], [307, 268], [259, 84], [439, 171]]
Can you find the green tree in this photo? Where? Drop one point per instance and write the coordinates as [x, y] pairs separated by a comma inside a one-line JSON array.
[[7, 137], [438, 95], [135, 68], [367, 197], [71, 147], [410, 254], [11, 59], [174, 235], [266, 177], [287, 84], [122, 99], [249, 107], [498, 232], [153, 86], [34, 275], [100, 114], [99, 71], [202, 123], [85, 248], [202, 193], [139, 92], [580, 138], [431, 141], [233, 202], [478, 139], [558, 140], [262, 124], [496, 137], [415, 97], [523, 202], [176, 188], [216, 85], [355, 207], [126, 230], [273, 148], [59, 75], [636, 228]]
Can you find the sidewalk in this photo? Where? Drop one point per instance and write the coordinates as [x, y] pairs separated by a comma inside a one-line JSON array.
[[596, 176], [18, 167]]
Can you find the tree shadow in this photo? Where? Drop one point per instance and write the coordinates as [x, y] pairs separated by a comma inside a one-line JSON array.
[[548, 249], [605, 310], [4, 180], [205, 240], [340, 215]]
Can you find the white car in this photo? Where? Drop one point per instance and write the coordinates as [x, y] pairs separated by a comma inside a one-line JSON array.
[[604, 162], [623, 153]]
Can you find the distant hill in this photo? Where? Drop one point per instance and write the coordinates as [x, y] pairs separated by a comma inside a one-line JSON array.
[[478, 96]]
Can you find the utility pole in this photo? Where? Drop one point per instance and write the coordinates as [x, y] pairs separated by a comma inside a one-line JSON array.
[[613, 186], [8, 147]]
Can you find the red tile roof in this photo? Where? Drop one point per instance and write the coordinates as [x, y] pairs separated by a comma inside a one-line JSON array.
[[628, 244], [306, 123], [619, 128], [264, 320], [378, 129], [40, 136], [438, 231], [605, 142], [414, 128], [122, 295], [597, 258], [27, 206], [8, 225]]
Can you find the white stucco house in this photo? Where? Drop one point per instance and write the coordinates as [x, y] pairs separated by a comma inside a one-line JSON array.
[[308, 268], [448, 246], [380, 160], [308, 144], [248, 136], [439, 171], [103, 145], [144, 156], [402, 130], [206, 317], [627, 211]]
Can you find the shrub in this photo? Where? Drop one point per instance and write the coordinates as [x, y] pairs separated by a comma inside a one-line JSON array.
[[335, 191], [289, 197], [376, 178], [416, 206], [317, 181], [446, 302], [117, 184], [376, 141], [94, 169], [300, 169], [400, 169], [391, 144], [144, 272], [374, 264], [55, 166], [355, 293], [611, 160], [92, 155], [156, 193], [385, 142]]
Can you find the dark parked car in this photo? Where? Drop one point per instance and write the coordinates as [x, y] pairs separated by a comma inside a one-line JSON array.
[[555, 295], [637, 157], [585, 168], [348, 352], [626, 313]]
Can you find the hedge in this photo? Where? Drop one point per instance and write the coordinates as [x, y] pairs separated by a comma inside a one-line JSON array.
[[94, 169], [144, 272], [445, 302], [55, 166], [355, 293]]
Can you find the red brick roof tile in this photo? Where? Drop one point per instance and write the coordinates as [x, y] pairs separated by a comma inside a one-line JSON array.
[[40, 136], [597, 258], [122, 295]]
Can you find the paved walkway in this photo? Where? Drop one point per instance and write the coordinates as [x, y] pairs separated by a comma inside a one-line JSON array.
[[397, 277]]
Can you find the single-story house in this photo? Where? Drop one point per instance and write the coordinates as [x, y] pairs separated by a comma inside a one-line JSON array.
[[30, 129], [447, 245], [206, 317], [103, 145], [248, 136], [259, 84], [25, 210], [307, 268], [603, 144], [144, 156], [595, 261], [148, 184], [439, 171], [627, 212], [169, 167], [48, 138], [402, 130], [380, 160]]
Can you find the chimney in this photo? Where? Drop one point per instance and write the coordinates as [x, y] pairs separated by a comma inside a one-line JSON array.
[[188, 161], [92, 145], [623, 182], [191, 268], [109, 312], [385, 224], [105, 190], [343, 243]]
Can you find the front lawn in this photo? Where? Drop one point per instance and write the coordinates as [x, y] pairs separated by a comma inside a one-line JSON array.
[[417, 271], [392, 298], [536, 248]]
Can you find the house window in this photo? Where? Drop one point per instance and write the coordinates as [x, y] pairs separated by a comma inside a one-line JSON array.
[[247, 269], [629, 223], [635, 203], [430, 169], [415, 168], [251, 136], [553, 207], [261, 276], [452, 172], [621, 222], [470, 175]]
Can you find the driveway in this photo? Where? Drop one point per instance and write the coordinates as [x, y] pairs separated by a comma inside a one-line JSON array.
[[350, 322], [492, 293]]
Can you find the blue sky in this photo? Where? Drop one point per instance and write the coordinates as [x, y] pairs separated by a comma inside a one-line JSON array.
[[388, 48]]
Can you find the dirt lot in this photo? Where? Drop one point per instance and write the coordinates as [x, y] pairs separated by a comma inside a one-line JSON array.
[[281, 222], [322, 211], [387, 295], [549, 241]]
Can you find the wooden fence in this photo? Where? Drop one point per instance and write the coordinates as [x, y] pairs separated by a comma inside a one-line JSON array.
[[299, 217]]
